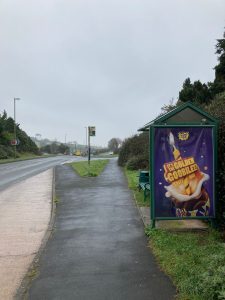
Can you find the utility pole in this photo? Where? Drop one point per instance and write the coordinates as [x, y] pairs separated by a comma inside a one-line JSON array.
[[15, 140]]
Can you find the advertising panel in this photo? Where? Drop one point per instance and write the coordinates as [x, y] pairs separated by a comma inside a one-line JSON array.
[[183, 172]]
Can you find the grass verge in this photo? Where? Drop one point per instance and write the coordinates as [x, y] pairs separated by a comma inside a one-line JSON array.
[[132, 177], [23, 156], [106, 155], [95, 168], [194, 261]]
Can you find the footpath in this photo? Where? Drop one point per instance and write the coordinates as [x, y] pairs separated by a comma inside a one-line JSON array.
[[98, 249], [25, 210]]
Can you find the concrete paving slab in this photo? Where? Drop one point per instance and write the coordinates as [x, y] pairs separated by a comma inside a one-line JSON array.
[[173, 225], [25, 211]]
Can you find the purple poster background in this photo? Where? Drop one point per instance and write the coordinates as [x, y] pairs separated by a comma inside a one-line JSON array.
[[183, 172]]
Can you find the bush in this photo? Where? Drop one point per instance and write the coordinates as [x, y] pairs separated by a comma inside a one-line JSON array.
[[6, 152], [10, 151], [3, 153], [217, 109], [7, 134], [137, 162], [134, 147]]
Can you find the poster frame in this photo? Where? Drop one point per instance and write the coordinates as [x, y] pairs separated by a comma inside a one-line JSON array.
[[152, 165]]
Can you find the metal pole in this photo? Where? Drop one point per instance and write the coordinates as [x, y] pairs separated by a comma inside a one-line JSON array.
[[86, 136], [86, 139], [15, 141], [89, 146], [15, 128]]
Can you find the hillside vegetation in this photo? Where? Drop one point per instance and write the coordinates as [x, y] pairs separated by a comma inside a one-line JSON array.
[[26, 145]]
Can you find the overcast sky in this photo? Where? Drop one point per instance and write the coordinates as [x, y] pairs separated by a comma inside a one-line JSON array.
[[108, 63]]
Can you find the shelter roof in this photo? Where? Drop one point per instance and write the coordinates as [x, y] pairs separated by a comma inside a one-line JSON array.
[[183, 114]]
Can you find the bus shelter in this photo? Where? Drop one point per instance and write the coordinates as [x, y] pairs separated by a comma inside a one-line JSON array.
[[183, 164]]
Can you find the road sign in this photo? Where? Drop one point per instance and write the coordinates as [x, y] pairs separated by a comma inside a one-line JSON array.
[[92, 130], [14, 142]]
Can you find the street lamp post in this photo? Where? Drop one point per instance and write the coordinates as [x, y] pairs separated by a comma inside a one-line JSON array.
[[15, 141]]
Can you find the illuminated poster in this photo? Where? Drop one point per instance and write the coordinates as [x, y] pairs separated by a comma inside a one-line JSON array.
[[183, 172]]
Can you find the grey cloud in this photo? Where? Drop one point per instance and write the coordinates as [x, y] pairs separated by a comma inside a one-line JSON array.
[[79, 63]]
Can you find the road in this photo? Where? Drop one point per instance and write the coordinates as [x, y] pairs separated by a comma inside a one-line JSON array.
[[15, 172]]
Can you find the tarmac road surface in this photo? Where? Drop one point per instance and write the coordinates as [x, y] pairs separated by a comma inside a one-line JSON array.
[[15, 172]]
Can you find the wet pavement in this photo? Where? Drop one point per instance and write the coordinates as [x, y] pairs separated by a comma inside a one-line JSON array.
[[25, 210], [98, 250]]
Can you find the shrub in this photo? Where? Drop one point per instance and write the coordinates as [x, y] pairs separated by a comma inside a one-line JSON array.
[[6, 152], [7, 134], [137, 162], [136, 146], [217, 109], [3, 153], [10, 151]]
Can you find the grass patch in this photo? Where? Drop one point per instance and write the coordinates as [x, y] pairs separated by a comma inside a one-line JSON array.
[[56, 200], [194, 261], [106, 155], [95, 168], [33, 272], [132, 177]]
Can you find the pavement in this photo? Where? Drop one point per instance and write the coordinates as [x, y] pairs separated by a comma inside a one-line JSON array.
[[25, 211], [98, 249]]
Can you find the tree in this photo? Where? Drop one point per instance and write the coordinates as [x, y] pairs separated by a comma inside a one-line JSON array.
[[7, 134], [55, 148], [202, 93], [63, 149], [168, 107], [187, 93], [197, 92], [114, 145], [46, 149], [218, 86]]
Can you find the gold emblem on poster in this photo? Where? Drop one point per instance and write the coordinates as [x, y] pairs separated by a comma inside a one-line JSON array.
[[183, 136]]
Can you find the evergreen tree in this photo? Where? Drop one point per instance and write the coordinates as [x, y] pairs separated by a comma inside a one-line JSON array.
[[187, 93], [7, 134], [218, 86], [196, 92], [202, 93]]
